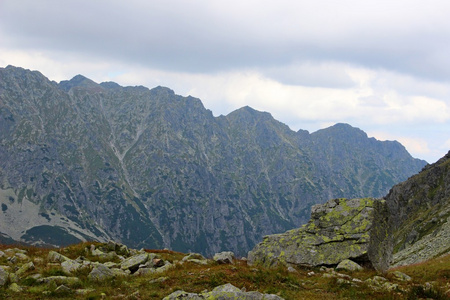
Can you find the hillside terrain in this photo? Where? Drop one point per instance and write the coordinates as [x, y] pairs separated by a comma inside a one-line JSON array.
[[420, 214], [409, 226], [111, 271], [148, 168]]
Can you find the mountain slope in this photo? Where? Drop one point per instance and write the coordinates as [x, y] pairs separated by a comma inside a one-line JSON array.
[[420, 209], [81, 160]]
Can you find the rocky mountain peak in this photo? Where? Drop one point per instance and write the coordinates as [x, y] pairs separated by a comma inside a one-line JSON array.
[[77, 81], [149, 168]]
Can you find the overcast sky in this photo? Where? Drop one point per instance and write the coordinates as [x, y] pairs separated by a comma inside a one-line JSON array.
[[381, 66]]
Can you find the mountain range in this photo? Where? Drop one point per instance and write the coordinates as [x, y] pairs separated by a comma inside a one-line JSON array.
[[148, 168]]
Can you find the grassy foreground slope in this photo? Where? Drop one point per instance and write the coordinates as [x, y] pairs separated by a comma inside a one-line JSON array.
[[430, 279]]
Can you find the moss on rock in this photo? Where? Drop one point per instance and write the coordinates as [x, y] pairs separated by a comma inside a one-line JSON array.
[[340, 229]]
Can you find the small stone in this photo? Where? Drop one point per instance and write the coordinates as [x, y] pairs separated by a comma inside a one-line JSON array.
[[2, 254], [111, 264], [59, 280], [62, 289], [101, 273], [120, 272], [70, 266], [38, 260], [84, 292], [14, 287], [97, 252], [401, 276], [3, 276], [291, 269], [144, 271], [10, 251], [124, 250], [311, 273], [13, 277], [135, 295], [191, 256], [157, 262], [56, 257], [13, 260], [22, 256], [345, 276], [35, 276], [25, 268], [225, 257], [348, 265], [342, 281], [159, 279], [390, 286], [379, 279], [164, 268], [132, 263]]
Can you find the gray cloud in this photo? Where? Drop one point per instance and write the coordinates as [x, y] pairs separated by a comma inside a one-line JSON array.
[[380, 65], [209, 36]]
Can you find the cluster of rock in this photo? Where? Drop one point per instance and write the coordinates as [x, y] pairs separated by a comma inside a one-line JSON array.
[[107, 261], [225, 292], [341, 229], [378, 283]]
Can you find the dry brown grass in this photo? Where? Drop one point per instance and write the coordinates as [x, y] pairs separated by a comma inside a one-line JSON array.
[[196, 278]]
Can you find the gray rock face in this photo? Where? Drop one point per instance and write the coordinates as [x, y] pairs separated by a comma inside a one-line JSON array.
[[420, 209], [152, 169], [340, 229], [224, 292]]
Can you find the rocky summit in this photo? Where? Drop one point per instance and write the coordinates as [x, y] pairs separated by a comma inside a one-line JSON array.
[[339, 230], [148, 168]]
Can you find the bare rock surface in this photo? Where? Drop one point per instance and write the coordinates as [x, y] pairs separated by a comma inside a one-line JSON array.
[[340, 229]]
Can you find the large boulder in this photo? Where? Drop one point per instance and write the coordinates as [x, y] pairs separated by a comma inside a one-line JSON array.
[[356, 229]]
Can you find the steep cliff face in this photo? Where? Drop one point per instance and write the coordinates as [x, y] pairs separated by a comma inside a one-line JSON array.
[[420, 209], [81, 160]]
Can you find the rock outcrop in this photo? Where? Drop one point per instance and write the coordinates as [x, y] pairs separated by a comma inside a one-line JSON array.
[[340, 229], [420, 209]]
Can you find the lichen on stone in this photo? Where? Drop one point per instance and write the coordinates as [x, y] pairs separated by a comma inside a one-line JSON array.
[[339, 229]]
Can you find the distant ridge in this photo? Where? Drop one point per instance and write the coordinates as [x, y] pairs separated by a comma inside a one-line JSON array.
[[149, 168]]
